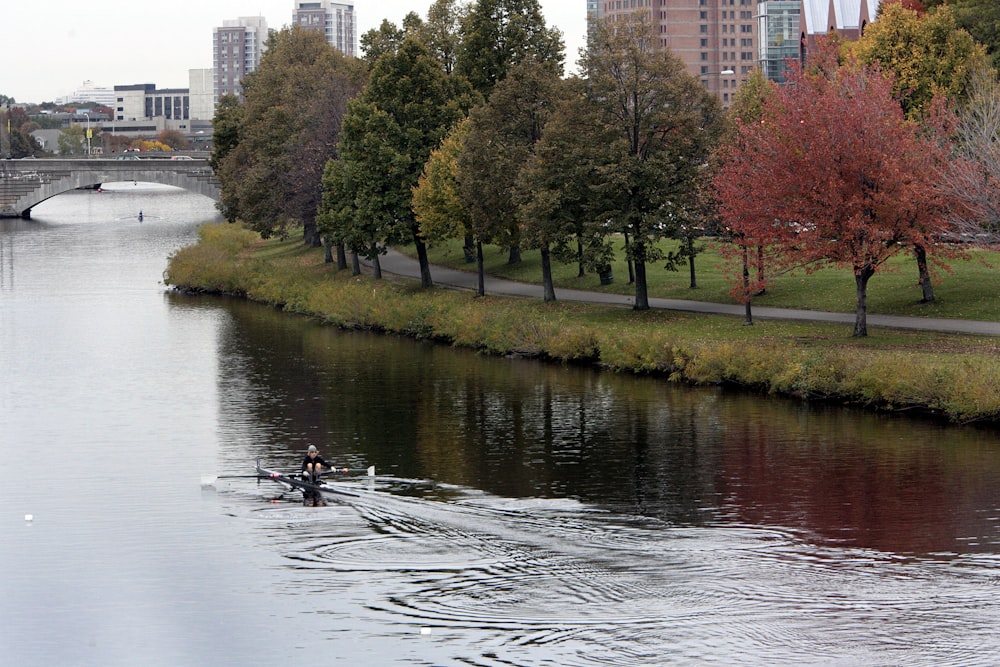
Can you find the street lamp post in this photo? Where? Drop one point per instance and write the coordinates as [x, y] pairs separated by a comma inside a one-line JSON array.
[[716, 89], [88, 133]]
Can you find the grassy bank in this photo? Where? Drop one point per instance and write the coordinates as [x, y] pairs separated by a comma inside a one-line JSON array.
[[968, 291], [955, 376]]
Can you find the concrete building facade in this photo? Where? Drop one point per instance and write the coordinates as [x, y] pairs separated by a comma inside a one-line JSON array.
[[237, 47], [334, 19]]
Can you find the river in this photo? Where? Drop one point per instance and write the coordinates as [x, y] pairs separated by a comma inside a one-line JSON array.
[[522, 513]]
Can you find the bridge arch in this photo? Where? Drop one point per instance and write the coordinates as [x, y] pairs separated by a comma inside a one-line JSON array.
[[26, 183]]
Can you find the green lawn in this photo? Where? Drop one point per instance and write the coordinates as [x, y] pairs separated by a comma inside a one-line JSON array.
[[969, 291]]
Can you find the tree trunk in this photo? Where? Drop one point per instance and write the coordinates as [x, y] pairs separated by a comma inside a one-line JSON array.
[[376, 264], [355, 264], [547, 288], [748, 312], [690, 244], [861, 276], [925, 275], [760, 271], [341, 257], [327, 252], [641, 294], [425, 265], [628, 260], [579, 259], [310, 234], [481, 287], [514, 257]]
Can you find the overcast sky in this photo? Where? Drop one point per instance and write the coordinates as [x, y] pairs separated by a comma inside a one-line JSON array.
[[51, 48]]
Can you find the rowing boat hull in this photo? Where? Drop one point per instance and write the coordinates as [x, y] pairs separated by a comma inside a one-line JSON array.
[[294, 482]]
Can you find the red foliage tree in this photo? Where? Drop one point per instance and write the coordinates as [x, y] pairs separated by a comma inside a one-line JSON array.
[[832, 174]]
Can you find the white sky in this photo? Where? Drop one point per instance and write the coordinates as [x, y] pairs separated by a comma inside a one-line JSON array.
[[52, 47]]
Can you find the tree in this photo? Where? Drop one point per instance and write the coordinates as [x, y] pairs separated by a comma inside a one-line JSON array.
[[980, 18], [662, 124], [22, 144], [441, 32], [556, 188], [175, 139], [501, 138], [834, 174], [437, 200], [378, 41], [931, 59], [498, 34], [72, 141], [288, 128], [973, 177], [410, 104], [928, 54], [225, 137], [747, 109]]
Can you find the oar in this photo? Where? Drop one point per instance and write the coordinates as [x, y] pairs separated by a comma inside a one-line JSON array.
[[370, 471], [209, 480]]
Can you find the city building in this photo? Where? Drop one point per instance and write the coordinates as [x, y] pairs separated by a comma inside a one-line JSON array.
[[237, 47], [334, 19], [714, 38], [721, 41], [201, 87], [88, 92]]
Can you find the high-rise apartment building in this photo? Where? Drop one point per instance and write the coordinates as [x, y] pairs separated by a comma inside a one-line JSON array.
[[721, 41], [334, 19], [716, 39], [236, 50]]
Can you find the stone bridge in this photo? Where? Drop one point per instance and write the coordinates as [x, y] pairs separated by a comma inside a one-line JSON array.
[[26, 183]]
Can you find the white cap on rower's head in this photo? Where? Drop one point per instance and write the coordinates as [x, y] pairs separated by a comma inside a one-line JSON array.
[[312, 448]]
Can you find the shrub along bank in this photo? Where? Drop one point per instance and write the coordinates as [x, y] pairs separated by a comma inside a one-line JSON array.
[[951, 375]]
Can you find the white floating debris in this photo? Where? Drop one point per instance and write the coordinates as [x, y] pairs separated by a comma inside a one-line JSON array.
[[29, 517], [425, 631]]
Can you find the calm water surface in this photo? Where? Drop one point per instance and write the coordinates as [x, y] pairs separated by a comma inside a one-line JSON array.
[[523, 514]]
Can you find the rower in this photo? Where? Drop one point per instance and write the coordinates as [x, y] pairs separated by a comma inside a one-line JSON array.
[[312, 468]]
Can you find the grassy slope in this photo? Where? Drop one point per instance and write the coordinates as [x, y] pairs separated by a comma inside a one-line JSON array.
[[969, 291], [953, 375]]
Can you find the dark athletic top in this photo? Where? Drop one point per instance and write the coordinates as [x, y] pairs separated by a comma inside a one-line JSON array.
[[319, 459]]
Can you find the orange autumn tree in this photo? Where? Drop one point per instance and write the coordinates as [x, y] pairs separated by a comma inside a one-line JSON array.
[[831, 174]]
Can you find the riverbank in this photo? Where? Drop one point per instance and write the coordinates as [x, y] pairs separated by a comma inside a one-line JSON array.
[[953, 376]]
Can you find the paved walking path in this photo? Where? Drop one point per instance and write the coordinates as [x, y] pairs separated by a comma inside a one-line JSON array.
[[399, 264]]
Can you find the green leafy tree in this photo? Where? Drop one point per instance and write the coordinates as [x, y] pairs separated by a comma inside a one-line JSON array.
[[556, 188], [378, 41], [22, 144], [441, 32], [288, 128], [437, 199], [501, 138], [980, 18], [661, 124], [72, 141], [498, 34], [225, 137], [408, 107], [927, 53]]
